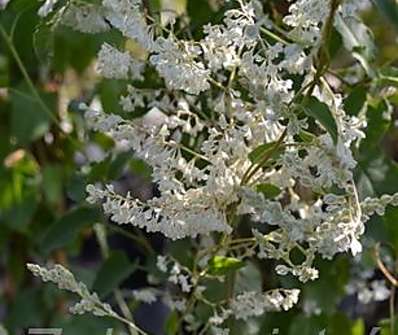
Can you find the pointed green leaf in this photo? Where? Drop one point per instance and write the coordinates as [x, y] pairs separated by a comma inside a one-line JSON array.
[[263, 150], [270, 191], [320, 112], [220, 265], [355, 100], [67, 228], [306, 136], [357, 39]]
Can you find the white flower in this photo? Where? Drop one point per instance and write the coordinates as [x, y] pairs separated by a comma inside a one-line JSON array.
[[126, 16], [178, 65], [86, 18], [162, 263], [305, 17], [220, 331], [66, 281], [114, 64], [249, 304], [3, 4], [145, 295]]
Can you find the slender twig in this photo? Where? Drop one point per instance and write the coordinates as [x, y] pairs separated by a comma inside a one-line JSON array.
[[274, 36], [390, 277]]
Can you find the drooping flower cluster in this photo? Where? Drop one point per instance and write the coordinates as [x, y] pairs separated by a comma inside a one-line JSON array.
[[230, 131], [65, 280]]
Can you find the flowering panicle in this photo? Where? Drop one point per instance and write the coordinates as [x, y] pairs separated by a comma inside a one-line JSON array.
[[249, 304], [65, 280], [115, 64], [229, 132], [199, 185]]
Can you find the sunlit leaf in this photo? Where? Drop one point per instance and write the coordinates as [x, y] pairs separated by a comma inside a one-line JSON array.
[[220, 265]]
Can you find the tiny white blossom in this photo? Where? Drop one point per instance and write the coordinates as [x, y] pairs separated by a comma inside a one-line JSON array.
[[145, 295], [114, 64]]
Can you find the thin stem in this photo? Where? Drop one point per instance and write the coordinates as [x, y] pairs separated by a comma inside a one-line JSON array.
[[390, 277], [192, 152], [274, 36], [216, 83], [130, 324]]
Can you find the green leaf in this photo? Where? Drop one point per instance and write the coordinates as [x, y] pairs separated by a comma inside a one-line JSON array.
[[306, 136], [259, 152], [248, 278], [29, 121], [112, 273], [355, 100], [43, 43], [379, 174], [320, 112], [155, 5], [357, 39], [172, 324], [388, 75], [4, 71], [270, 191], [20, 215], [358, 327], [76, 188], [220, 265], [390, 224], [140, 168], [23, 314], [378, 124], [118, 164], [87, 324], [389, 8], [52, 184], [110, 92], [263, 150], [67, 228], [19, 196]]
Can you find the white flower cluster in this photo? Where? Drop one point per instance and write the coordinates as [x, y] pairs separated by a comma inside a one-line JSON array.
[[249, 304], [226, 136], [127, 17], [65, 280], [305, 17], [176, 63], [86, 18], [200, 185], [376, 290], [145, 295], [115, 64], [178, 275]]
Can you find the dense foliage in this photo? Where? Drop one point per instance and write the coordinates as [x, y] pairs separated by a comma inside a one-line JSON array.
[[227, 167]]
